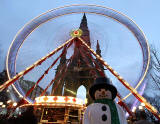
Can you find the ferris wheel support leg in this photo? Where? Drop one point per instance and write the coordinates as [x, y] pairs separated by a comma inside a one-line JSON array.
[[16, 77], [121, 102], [125, 83]]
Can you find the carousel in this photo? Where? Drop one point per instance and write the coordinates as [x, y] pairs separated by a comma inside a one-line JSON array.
[[57, 109]]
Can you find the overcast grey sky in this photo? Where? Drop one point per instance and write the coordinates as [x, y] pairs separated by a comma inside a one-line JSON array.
[[16, 13]]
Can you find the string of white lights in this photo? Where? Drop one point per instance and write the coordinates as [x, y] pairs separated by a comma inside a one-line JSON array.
[[125, 83]]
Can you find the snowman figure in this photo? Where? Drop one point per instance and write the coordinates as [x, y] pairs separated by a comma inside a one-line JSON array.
[[104, 110]]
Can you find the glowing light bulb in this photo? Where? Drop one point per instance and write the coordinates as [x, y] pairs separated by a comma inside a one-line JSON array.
[[3, 106], [86, 101], [140, 107], [134, 109], [1, 103], [14, 104], [9, 101], [142, 104]]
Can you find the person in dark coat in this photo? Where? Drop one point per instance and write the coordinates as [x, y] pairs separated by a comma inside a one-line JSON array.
[[143, 119]]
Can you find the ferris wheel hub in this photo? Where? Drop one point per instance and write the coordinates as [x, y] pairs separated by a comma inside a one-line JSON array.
[[76, 33]]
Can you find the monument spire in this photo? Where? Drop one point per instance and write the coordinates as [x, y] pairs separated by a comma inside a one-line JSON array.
[[83, 24], [84, 27], [98, 50]]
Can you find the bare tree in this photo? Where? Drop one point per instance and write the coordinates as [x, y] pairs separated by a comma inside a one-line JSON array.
[[3, 94], [155, 101], [155, 67], [153, 86]]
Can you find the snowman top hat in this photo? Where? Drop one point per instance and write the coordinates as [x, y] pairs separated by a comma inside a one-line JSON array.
[[102, 83]]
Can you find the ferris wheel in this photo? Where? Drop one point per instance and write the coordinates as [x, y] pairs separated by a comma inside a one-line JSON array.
[[65, 44]]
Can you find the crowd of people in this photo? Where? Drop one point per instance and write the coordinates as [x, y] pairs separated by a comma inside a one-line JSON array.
[[27, 117], [141, 119]]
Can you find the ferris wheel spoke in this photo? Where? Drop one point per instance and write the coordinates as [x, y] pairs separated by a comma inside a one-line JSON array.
[[41, 77], [96, 65], [63, 73], [62, 68], [52, 81], [22, 73], [125, 83]]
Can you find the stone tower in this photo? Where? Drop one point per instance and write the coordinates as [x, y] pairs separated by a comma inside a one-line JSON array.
[[80, 71]]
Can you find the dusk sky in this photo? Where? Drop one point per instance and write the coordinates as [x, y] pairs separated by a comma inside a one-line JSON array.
[[16, 13]]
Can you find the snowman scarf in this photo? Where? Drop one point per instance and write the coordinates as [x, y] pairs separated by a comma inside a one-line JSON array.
[[113, 109]]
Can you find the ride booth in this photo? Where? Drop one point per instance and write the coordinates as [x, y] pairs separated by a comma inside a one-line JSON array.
[[58, 110]]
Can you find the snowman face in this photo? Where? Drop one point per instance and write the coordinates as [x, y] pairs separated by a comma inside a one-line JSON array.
[[103, 94]]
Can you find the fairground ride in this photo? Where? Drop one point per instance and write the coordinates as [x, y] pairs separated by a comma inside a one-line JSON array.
[[80, 44]]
